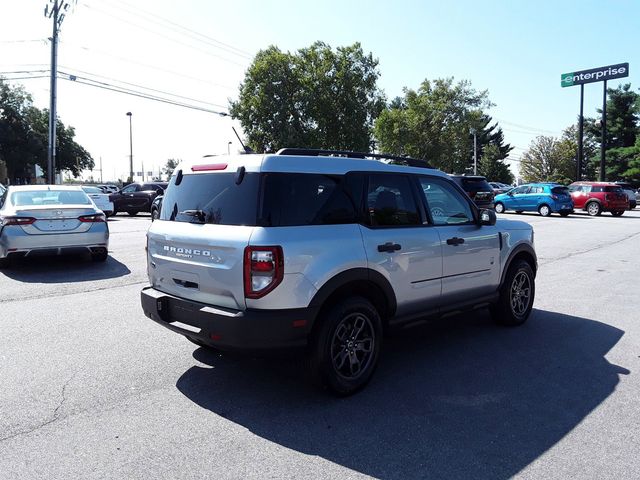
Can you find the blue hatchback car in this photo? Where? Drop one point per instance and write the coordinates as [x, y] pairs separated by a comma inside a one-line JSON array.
[[544, 198]]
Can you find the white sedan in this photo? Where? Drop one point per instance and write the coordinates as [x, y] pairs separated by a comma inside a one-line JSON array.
[[100, 198]]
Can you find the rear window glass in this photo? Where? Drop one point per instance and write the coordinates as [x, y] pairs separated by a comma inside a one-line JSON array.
[[560, 190], [291, 199], [49, 197], [92, 190], [212, 198], [476, 185]]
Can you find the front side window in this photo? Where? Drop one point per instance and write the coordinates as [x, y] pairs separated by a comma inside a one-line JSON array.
[[446, 205], [130, 188], [390, 201], [521, 190]]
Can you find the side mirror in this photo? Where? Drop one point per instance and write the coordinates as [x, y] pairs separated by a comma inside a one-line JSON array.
[[487, 217]]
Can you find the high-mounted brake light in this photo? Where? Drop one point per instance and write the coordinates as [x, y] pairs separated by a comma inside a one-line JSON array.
[[208, 167], [92, 218], [16, 221], [263, 270]]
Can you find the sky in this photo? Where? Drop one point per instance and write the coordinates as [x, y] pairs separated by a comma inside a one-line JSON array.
[[196, 52]]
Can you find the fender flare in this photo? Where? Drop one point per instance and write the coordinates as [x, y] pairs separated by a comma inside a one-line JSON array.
[[351, 276], [521, 248]]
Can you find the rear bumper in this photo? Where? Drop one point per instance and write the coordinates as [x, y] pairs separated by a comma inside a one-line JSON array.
[[226, 329], [14, 241]]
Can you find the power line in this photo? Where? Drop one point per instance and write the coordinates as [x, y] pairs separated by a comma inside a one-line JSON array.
[[191, 33], [147, 65], [163, 35], [134, 93], [135, 85]]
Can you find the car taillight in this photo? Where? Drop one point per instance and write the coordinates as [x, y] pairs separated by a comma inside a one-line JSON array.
[[92, 218], [263, 270], [16, 220]]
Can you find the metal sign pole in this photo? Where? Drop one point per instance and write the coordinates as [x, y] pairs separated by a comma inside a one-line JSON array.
[[603, 144], [580, 137]]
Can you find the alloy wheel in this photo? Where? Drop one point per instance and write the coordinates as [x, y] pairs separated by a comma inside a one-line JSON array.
[[352, 345], [520, 293]]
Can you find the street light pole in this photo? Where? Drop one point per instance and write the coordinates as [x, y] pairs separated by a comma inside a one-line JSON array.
[[129, 114]]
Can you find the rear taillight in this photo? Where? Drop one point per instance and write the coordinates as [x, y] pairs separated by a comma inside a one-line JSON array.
[[98, 217], [263, 270], [16, 221]]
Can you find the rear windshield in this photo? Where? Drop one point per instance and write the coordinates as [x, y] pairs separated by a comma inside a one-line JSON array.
[[49, 197], [476, 185], [560, 190], [212, 198]]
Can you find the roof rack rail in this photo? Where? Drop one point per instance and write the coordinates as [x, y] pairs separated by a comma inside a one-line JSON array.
[[312, 152]]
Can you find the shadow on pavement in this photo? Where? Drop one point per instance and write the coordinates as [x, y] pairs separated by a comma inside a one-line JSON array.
[[64, 269], [456, 399]]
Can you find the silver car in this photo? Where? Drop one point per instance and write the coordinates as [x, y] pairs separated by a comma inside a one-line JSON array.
[[100, 198], [50, 220]]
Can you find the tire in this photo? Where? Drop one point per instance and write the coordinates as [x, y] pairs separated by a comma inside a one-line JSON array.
[[544, 210], [593, 209], [499, 207], [519, 211], [133, 213], [564, 214], [345, 346], [617, 213], [517, 294], [100, 257], [154, 214]]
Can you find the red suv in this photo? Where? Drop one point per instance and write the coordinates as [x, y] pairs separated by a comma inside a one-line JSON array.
[[598, 197]]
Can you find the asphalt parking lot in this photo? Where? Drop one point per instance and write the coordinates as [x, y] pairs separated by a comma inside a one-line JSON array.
[[93, 389]]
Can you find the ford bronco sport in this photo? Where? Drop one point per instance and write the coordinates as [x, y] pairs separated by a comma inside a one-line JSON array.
[[325, 251]]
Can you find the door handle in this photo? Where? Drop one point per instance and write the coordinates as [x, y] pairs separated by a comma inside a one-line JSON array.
[[389, 247], [455, 241]]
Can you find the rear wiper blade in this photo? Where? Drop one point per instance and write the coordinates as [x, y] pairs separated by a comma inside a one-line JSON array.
[[199, 214]]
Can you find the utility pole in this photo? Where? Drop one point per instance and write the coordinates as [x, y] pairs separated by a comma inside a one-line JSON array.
[[100, 169], [56, 11], [475, 152]]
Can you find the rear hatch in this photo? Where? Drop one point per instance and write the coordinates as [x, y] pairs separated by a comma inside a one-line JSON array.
[[196, 249], [478, 189], [561, 194]]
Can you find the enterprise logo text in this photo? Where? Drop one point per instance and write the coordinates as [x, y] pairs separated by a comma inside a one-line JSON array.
[[595, 75]]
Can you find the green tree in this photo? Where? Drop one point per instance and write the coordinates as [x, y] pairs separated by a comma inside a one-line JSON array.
[[170, 166], [434, 123], [543, 161], [492, 166], [24, 131], [623, 129], [315, 98]]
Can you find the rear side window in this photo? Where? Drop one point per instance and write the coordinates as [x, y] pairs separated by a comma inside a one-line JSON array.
[[291, 199], [212, 198], [613, 189], [390, 201]]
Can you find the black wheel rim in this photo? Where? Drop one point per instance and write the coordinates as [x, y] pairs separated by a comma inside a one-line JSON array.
[[520, 294], [352, 346]]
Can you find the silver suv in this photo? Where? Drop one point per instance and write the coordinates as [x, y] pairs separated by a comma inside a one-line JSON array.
[[325, 251]]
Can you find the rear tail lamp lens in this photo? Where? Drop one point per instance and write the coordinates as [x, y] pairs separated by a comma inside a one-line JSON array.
[[92, 218], [16, 221], [263, 270]]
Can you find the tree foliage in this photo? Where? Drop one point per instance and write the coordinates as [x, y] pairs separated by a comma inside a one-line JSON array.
[[314, 98], [492, 166], [434, 123], [623, 131], [24, 134], [170, 166]]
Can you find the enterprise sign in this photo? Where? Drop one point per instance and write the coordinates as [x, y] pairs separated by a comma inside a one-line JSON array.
[[595, 75]]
